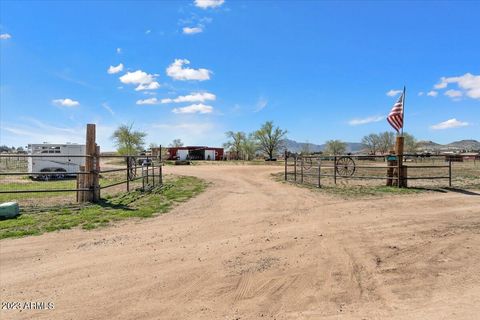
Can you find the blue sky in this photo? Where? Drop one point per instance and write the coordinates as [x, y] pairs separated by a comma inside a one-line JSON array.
[[195, 69]]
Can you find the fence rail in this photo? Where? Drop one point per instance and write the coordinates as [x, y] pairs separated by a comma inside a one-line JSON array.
[[313, 169]]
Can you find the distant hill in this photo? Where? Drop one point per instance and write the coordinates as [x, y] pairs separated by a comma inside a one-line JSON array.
[[428, 145], [465, 144], [294, 146], [461, 145]]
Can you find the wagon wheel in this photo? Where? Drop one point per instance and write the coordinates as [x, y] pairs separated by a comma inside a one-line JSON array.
[[132, 168], [345, 166], [307, 163]]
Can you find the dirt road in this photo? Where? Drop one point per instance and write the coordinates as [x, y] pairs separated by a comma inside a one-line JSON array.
[[252, 248]]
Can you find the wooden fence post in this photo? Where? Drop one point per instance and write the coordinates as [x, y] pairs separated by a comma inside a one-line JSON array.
[[450, 173], [335, 169], [128, 173], [90, 149], [286, 162], [401, 181]]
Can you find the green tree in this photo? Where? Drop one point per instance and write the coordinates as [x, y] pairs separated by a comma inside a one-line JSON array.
[[249, 147], [372, 141], [235, 143], [128, 142], [176, 143], [270, 138], [335, 147]]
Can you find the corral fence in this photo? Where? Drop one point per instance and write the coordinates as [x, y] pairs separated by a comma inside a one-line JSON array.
[[415, 170], [111, 174], [68, 178]]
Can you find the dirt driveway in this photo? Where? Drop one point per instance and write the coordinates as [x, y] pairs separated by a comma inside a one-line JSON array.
[[253, 248]]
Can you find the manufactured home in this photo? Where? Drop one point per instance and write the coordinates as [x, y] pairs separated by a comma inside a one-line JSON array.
[[55, 158]]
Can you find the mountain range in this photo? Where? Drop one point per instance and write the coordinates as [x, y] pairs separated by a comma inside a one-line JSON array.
[[294, 146], [456, 145]]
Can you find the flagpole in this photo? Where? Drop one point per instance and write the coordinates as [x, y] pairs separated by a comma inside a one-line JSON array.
[[403, 110]]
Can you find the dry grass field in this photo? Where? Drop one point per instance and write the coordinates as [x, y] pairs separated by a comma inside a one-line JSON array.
[[250, 247]]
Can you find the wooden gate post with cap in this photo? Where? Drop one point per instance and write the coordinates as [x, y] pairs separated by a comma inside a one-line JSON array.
[[91, 177], [401, 169]]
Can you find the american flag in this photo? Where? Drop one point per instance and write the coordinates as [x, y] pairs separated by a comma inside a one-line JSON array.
[[395, 118]]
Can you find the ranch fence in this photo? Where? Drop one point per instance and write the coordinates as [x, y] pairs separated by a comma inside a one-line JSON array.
[[110, 174], [415, 170], [66, 178]]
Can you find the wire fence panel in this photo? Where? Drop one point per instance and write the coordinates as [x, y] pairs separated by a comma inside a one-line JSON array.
[[39, 179]]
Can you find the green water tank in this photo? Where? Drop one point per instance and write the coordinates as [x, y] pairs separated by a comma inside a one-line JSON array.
[[9, 210]]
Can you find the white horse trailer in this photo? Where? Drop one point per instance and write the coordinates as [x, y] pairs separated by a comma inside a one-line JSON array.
[[55, 158]]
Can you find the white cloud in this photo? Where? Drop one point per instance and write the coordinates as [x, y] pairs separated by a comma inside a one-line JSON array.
[[204, 4], [144, 80], [193, 97], [5, 36], [393, 93], [177, 72], [453, 93], [148, 31], [148, 101], [108, 108], [194, 108], [67, 102], [117, 69], [150, 86], [432, 93], [194, 30], [137, 77], [119, 50], [421, 93], [468, 83], [261, 104], [356, 122], [441, 85], [451, 123]]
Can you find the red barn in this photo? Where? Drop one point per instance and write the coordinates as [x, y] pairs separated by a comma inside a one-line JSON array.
[[195, 153]]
